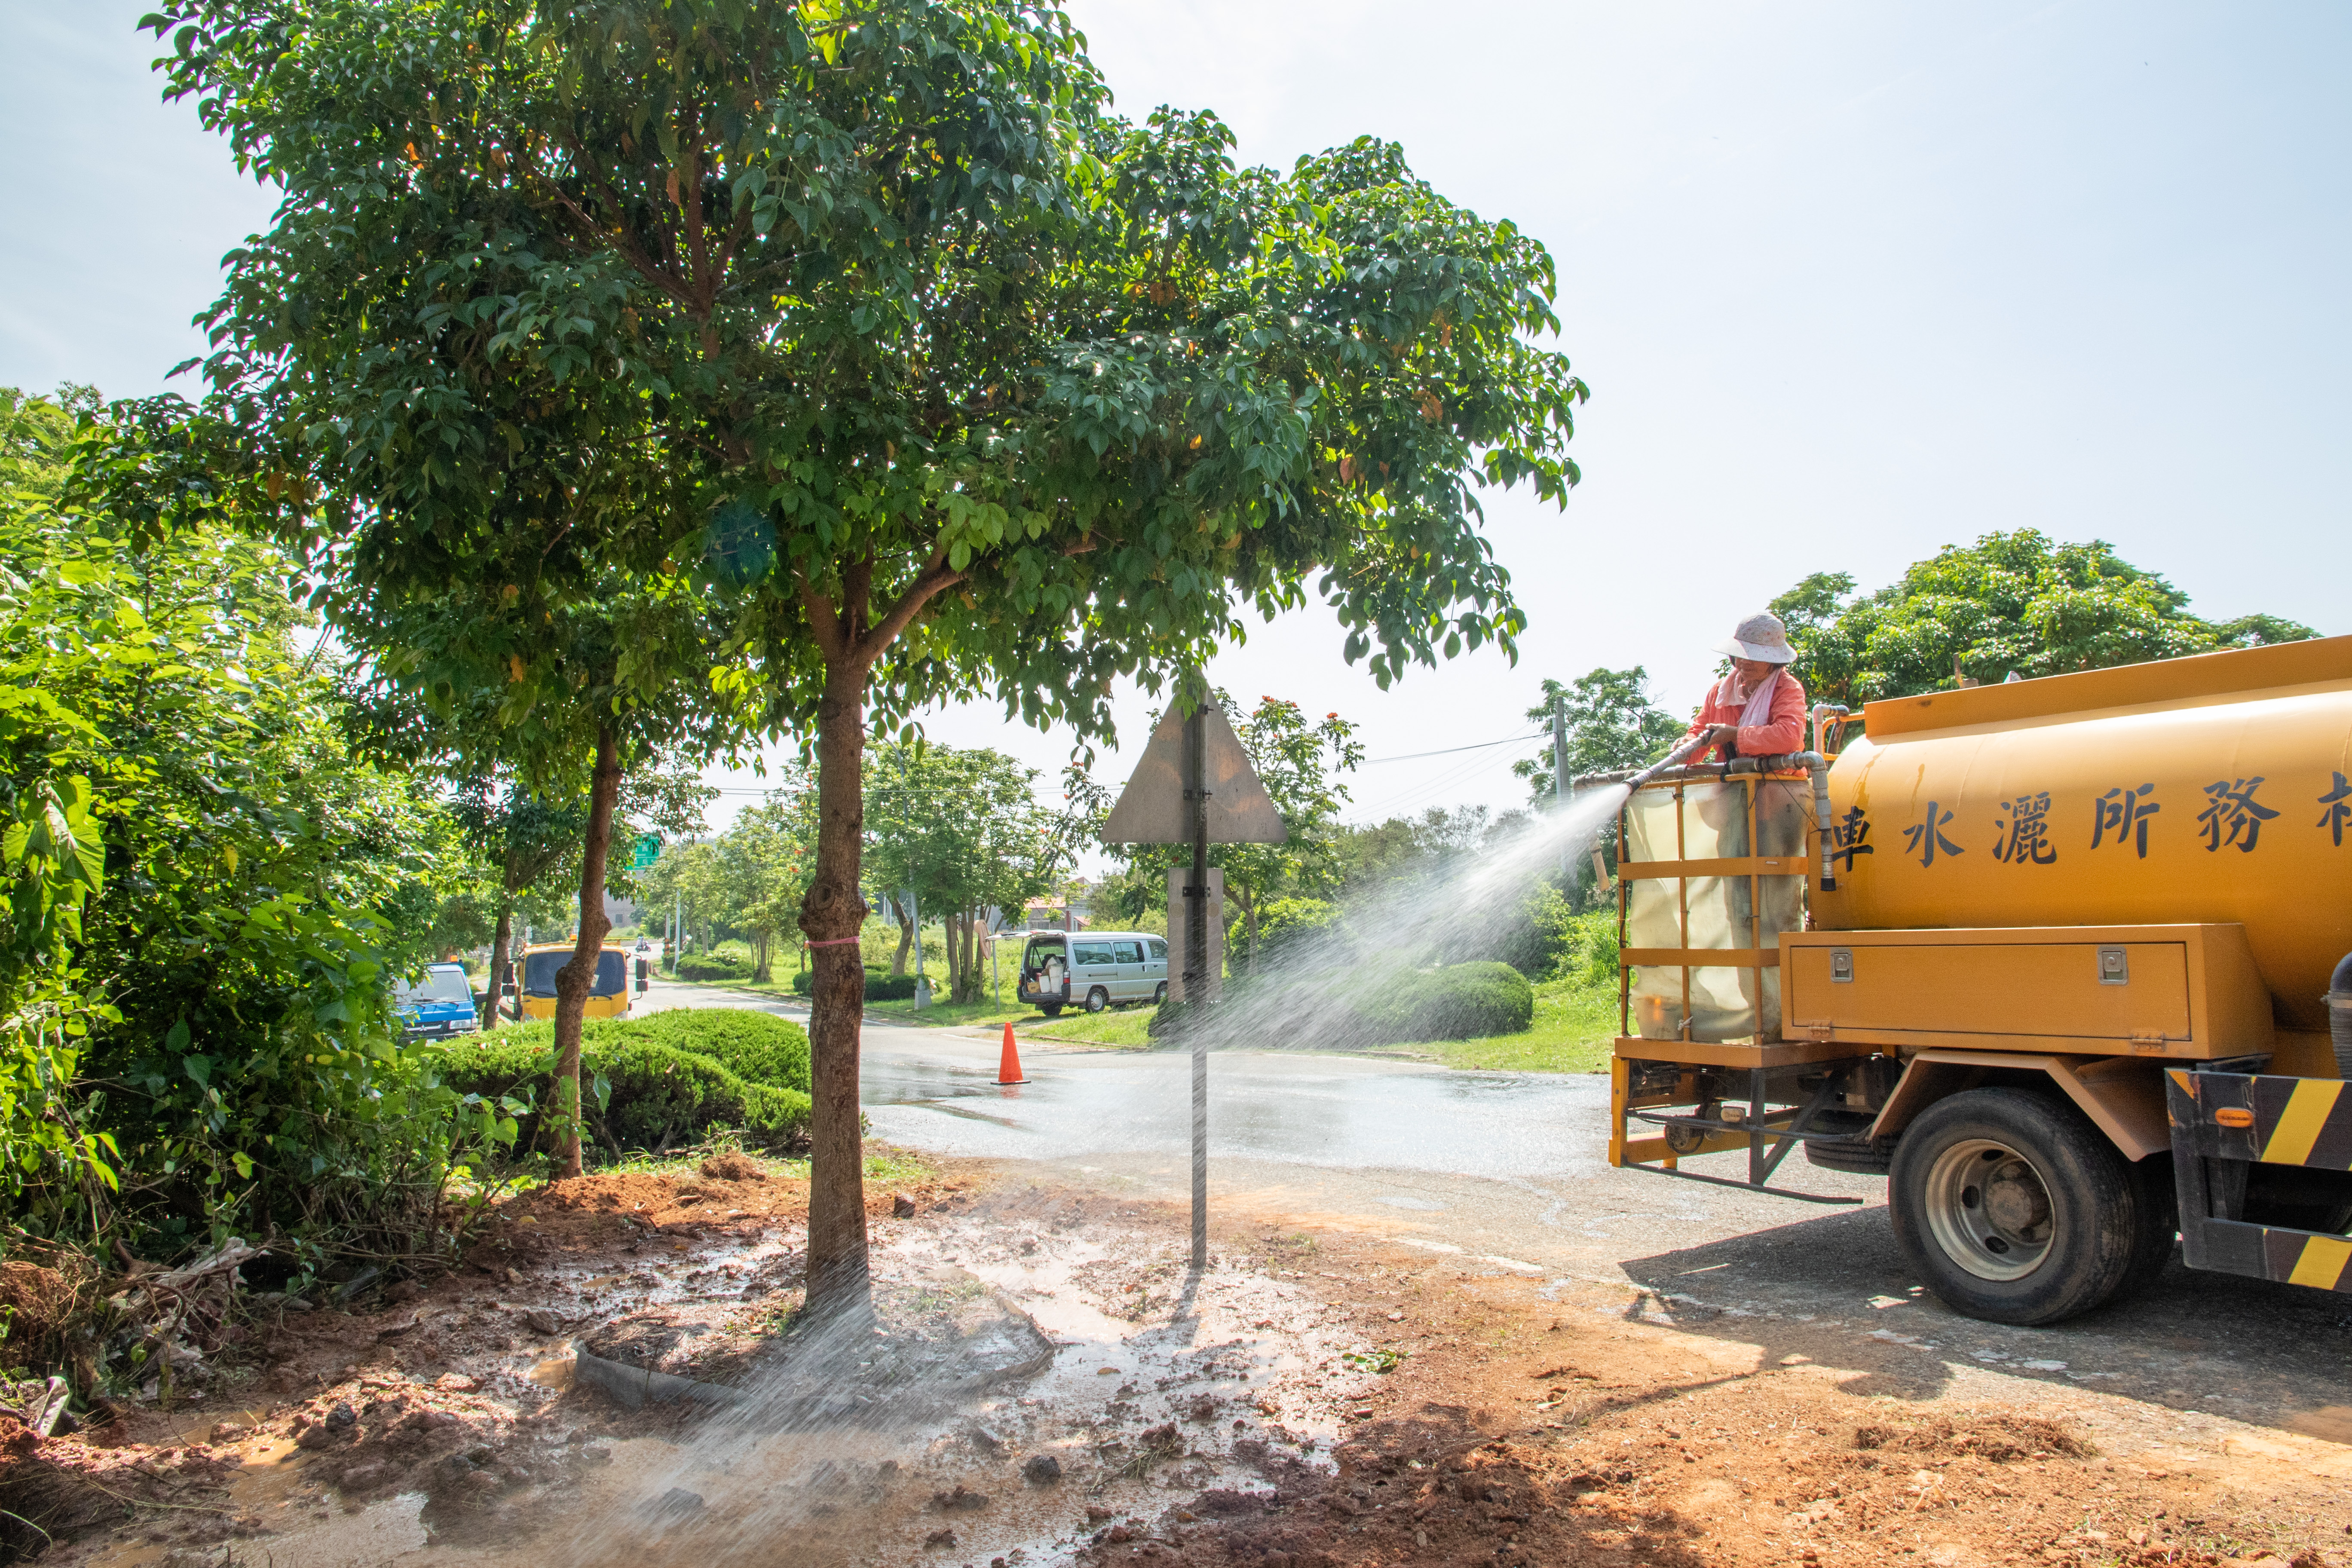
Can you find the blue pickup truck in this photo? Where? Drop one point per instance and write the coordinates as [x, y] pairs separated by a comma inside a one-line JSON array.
[[437, 1005]]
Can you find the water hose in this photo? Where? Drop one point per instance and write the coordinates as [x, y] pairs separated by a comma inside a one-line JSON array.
[[1673, 759]]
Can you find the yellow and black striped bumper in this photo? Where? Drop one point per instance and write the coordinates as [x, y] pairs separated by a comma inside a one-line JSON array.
[[2222, 1123]]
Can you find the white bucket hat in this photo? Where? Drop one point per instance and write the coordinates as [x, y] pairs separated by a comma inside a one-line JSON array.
[[1760, 638]]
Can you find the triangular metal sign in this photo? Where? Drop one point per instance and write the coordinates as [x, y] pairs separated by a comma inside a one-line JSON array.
[[1152, 809]]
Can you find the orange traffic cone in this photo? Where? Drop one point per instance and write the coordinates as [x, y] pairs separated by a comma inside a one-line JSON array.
[[1008, 1068]]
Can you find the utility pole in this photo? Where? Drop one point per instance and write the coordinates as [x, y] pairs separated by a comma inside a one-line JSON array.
[[1559, 779], [1196, 967], [915, 919]]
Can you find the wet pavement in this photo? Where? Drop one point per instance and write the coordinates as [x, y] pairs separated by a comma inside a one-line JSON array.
[[1510, 1168]]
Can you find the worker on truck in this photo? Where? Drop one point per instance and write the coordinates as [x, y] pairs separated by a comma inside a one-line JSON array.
[[1758, 709]]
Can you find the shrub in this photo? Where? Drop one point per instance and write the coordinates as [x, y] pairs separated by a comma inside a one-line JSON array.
[[1588, 950], [708, 969], [758, 1047], [1460, 1002], [881, 985], [661, 1092], [734, 951]]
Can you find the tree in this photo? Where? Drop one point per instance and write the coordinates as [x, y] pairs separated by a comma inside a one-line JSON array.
[[975, 390], [2008, 604], [1299, 761], [762, 871], [963, 832], [1611, 722]]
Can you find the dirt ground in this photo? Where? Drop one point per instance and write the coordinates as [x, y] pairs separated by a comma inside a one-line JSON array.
[[1321, 1397]]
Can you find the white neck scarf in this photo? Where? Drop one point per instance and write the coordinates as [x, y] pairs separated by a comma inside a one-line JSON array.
[[1760, 701]]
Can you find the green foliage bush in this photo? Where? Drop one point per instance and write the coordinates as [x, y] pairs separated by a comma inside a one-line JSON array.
[[884, 986], [1459, 1002], [1586, 951], [709, 969], [1294, 930], [734, 951], [881, 985], [1456, 1002], [669, 1078], [211, 892]]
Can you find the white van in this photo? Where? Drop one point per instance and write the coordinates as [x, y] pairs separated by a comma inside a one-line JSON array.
[[1094, 969]]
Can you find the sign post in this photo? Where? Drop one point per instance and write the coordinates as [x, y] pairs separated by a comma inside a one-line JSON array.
[[1194, 786], [1196, 969]]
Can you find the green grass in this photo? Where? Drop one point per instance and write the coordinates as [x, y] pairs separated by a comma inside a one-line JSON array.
[[1122, 1027]]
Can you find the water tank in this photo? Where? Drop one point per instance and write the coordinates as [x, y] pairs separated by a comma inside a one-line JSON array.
[[2213, 788]]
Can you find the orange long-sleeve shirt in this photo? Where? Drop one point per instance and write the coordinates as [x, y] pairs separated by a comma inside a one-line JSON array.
[[1784, 734]]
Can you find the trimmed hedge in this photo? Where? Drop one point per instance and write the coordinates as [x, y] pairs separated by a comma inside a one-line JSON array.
[[881, 985], [712, 969], [1459, 1002], [674, 1077]]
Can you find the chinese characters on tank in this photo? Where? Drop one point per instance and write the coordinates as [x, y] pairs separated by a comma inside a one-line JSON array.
[[2338, 803], [2232, 816], [2023, 835], [2121, 816], [1850, 836], [1926, 840]]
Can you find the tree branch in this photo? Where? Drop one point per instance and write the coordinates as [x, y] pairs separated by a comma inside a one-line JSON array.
[[825, 621]]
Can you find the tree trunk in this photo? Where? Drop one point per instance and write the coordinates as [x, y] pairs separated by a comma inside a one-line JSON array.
[[906, 935], [951, 935], [971, 923], [831, 914], [760, 973], [577, 978], [1249, 914], [502, 961]]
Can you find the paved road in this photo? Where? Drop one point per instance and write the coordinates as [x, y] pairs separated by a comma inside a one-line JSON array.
[[1510, 1166]]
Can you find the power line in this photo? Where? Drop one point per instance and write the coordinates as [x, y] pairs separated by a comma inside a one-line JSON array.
[[1483, 745]]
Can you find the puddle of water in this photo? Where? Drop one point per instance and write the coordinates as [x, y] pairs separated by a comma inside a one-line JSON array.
[[1233, 1348]]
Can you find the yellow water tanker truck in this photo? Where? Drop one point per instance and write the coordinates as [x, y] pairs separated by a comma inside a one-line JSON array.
[[2069, 959]]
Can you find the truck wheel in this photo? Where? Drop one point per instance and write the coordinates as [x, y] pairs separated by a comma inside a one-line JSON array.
[[1097, 999], [1051, 1009], [2013, 1207], [1161, 994]]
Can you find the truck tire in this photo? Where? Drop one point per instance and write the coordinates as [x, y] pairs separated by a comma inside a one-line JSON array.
[[1051, 1009], [2013, 1208]]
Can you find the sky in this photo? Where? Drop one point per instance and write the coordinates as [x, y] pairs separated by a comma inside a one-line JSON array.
[[1849, 281]]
